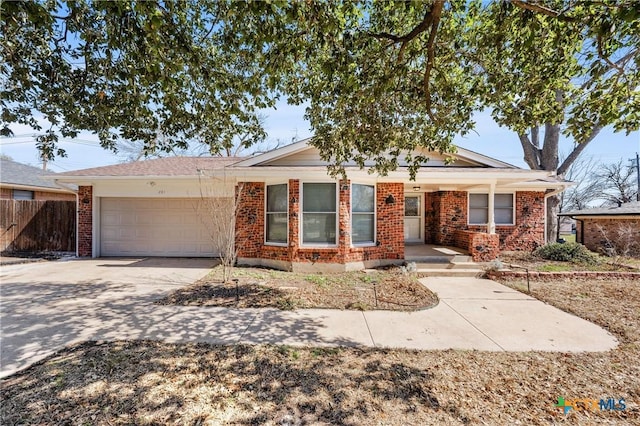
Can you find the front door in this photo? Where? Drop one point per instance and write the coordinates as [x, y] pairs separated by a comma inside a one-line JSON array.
[[413, 223]]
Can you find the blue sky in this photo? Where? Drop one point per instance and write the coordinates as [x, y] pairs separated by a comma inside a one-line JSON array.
[[287, 121]]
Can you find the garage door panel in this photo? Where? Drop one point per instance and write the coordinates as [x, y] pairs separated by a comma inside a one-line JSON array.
[[154, 227]]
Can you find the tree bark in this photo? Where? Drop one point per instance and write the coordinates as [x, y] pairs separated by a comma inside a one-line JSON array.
[[553, 207]]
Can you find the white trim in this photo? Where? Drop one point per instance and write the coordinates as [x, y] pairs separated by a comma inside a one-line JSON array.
[[294, 148], [422, 219], [96, 228], [375, 216], [301, 242], [265, 212], [497, 192], [275, 154]]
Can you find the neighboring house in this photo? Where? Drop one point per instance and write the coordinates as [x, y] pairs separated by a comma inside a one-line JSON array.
[[21, 182], [293, 215], [605, 229]]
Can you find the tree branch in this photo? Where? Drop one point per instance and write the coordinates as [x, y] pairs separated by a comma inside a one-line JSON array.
[[577, 150], [436, 12], [534, 7], [530, 152], [431, 20], [605, 58]]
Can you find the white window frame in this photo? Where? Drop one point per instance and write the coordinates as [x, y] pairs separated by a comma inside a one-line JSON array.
[[302, 212], [513, 208], [374, 213], [266, 214]]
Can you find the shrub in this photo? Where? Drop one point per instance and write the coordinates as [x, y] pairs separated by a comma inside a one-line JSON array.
[[567, 252]]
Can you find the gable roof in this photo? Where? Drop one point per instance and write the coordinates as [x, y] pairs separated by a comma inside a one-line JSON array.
[[168, 166], [464, 157], [626, 209], [22, 175]]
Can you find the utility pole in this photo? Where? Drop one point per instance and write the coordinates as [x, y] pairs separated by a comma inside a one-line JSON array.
[[635, 162]]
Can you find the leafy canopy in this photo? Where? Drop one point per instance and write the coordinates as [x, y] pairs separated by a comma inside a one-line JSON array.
[[381, 78]]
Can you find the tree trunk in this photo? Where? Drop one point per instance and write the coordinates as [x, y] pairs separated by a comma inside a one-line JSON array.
[[553, 207]]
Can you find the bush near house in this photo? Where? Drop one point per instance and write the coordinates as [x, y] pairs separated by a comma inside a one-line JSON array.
[[567, 252]]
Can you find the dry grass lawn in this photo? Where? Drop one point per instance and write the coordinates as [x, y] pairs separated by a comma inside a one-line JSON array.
[[534, 263], [155, 383], [389, 289]]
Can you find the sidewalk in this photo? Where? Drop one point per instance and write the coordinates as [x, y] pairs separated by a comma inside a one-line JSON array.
[[113, 300]]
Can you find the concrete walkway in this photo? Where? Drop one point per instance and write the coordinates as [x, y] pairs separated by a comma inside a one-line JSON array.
[[46, 306]]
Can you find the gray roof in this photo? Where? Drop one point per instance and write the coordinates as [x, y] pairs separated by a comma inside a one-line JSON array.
[[12, 173], [626, 209]]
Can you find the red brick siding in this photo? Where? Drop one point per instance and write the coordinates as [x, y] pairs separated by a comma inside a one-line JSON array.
[[85, 221], [250, 218], [482, 247], [390, 221], [528, 232], [389, 234], [449, 213], [623, 234]]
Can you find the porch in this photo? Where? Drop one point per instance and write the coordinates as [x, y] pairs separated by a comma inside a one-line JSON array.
[[441, 260]]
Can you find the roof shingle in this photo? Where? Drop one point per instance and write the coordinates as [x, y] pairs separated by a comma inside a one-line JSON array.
[[13, 173], [169, 166], [632, 208]]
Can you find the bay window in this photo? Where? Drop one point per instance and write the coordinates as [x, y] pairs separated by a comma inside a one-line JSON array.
[[362, 214], [319, 213], [276, 221]]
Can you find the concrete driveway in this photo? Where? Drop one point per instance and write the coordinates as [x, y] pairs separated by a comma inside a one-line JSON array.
[[46, 306]]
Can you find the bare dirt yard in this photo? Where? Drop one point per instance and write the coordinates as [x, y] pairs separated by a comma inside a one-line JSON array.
[[119, 383], [388, 289]]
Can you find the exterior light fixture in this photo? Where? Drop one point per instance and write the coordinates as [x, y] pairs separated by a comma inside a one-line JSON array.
[[416, 188]]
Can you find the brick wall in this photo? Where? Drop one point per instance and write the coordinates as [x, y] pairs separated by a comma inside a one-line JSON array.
[[250, 218], [482, 247], [389, 227], [449, 213], [601, 233], [85, 221], [6, 193], [528, 232]]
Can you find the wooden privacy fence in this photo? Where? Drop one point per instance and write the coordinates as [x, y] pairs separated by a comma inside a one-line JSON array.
[[34, 226]]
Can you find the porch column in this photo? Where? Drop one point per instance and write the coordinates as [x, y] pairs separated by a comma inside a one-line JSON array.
[[491, 225]]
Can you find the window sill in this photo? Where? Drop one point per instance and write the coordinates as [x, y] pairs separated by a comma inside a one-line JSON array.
[[362, 245], [268, 243]]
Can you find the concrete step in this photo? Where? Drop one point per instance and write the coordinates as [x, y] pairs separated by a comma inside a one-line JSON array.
[[434, 272], [449, 265]]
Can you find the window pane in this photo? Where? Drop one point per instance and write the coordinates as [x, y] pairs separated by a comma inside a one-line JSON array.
[[504, 216], [478, 215], [319, 228], [277, 198], [362, 228], [362, 198], [478, 200], [412, 206], [319, 197], [19, 194], [503, 200], [277, 228]]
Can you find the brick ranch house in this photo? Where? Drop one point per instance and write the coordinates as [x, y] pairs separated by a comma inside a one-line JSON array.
[[292, 215], [607, 228]]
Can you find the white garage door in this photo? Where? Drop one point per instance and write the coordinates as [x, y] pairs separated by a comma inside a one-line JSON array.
[[153, 227]]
